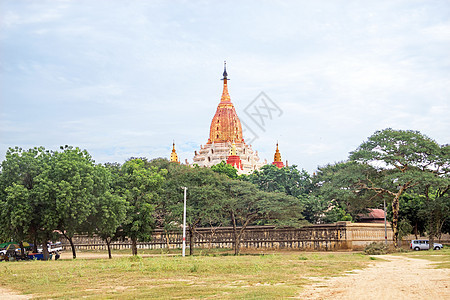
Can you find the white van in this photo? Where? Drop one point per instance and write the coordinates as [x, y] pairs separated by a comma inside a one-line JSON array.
[[423, 245]]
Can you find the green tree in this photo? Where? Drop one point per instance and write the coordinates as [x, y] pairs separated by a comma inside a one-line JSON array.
[[77, 186], [25, 208], [288, 180], [226, 169], [436, 209], [402, 159], [338, 193], [246, 204], [111, 212], [139, 185], [203, 197], [164, 217], [412, 210]]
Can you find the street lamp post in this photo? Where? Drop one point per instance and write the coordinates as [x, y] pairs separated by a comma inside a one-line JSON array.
[[184, 223], [385, 227]]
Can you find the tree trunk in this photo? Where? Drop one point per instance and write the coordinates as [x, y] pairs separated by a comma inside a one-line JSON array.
[[167, 240], [431, 223], [35, 246], [108, 244], [237, 243], [432, 232], [237, 238], [133, 246], [74, 253], [431, 242], [45, 249], [415, 231], [191, 239], [22, 250], [395, 211]]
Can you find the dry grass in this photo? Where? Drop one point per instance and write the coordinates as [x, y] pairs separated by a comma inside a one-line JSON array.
[[440, 257], [163, 277]]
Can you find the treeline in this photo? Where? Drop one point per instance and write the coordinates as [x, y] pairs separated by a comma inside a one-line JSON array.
[[43, 193]]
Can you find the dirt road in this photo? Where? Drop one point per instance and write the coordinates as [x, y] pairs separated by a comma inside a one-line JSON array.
[[6, 294], [396, 278]]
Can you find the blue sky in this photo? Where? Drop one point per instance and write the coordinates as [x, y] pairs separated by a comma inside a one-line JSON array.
[[125, 78]]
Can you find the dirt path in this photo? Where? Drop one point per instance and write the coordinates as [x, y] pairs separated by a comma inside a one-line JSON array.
[[6, 294], [396, 278]]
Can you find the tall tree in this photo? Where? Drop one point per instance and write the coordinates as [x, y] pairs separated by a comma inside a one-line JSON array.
[[24, 200], [402, 158], [203, 197], [245, 205], [226, 169], [139, 186], [337, 191], [288, 180], [110, 214], [77, 186]]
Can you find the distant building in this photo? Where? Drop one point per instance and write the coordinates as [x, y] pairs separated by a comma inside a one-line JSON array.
[[372, 216]]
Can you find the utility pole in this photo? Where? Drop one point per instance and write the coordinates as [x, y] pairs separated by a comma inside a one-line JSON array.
[[385, 227], [184, 223]]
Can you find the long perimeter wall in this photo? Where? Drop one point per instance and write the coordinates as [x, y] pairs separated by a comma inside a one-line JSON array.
[[337, 236]]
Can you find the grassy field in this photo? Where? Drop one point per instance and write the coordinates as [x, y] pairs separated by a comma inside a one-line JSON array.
[[210, 275], [441, 258]]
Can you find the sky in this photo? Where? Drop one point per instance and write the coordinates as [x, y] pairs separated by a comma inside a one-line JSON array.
[[124, 79]]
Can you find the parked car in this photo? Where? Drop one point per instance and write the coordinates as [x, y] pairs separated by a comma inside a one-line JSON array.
[[52, 247], [423, 245]]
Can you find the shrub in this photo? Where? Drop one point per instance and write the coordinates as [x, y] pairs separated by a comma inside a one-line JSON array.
[[376, 249]]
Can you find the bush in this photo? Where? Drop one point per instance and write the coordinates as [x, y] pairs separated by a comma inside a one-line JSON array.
[[376, 249]]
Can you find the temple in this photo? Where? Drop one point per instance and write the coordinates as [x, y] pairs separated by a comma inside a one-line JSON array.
[[226, 142]]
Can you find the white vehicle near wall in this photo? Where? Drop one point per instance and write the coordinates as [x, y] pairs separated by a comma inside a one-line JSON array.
[[52, 247], [424, 245]]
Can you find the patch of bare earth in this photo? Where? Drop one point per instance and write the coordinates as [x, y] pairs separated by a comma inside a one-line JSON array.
[[6, 294], [396, 278]]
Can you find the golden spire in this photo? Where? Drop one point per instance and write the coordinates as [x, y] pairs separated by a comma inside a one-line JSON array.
[[277, 159], [225, 95], [277, 156], [233, 151], [225, 126], [174, 155]]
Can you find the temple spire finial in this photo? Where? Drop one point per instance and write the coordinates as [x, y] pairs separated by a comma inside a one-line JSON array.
[[225, 74], [225, 95]]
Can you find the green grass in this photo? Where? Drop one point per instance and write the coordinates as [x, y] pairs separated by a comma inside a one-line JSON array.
[[441, 258], [163, 277]]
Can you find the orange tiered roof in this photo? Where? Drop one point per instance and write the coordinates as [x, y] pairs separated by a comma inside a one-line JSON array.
[[225, 126]]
